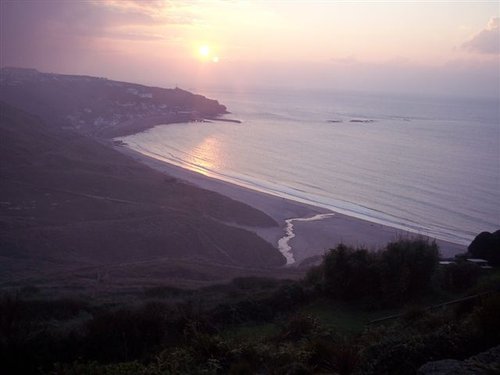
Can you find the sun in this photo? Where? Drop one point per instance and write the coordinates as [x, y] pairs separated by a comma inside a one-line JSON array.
[[204, 51], [207, 54]]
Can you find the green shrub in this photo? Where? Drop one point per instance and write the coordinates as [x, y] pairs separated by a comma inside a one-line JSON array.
[[459, 276], [315, 276], [408, 268], [125, 334], [298, 327], [487, 319], [95, 368], [349, 273], [401, 272]]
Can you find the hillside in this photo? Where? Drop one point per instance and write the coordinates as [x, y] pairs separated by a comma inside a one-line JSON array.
[[98, 106], [76, 214]]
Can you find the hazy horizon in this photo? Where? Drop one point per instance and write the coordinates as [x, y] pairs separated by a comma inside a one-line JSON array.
[[447, 48]]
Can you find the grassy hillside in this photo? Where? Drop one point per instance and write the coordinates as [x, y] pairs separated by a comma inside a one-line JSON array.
[[74, 208]]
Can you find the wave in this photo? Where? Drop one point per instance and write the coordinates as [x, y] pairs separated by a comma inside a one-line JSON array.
[[423, 167], [303, 196]]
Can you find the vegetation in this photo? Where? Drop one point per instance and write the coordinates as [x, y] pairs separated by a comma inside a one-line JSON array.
[[460, 276], [486, 245], [401, 273], [252, 325]]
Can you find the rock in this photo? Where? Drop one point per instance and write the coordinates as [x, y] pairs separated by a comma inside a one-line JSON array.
[[443, 367], [487, 362], [486, 245]]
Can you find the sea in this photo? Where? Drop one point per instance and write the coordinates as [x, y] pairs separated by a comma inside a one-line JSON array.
[[427, 165]]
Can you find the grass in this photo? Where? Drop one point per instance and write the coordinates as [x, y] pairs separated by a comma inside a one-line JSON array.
[[251, 331], [489, 280], [341, 317], [349, 319]]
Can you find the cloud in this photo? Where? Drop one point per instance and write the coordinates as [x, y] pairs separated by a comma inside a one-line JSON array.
[[36, 30], [151, 11], [487, 41], [50, 33]]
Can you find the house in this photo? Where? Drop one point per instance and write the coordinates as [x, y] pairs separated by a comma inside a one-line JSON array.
[[482, 263]]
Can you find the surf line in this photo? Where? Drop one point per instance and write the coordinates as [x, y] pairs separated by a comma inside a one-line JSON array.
[[283, 245]]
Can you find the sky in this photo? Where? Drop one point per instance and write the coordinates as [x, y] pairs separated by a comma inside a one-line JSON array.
[[421, 47]]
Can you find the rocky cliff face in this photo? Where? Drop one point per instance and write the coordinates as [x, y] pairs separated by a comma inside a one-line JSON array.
[[98, 106]]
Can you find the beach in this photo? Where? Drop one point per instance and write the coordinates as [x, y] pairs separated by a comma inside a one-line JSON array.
[[311, 238]]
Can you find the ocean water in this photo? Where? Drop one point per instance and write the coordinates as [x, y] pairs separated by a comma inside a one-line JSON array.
[[425, 165]]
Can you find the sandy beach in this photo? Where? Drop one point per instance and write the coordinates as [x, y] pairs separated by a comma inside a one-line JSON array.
[[312, 238]]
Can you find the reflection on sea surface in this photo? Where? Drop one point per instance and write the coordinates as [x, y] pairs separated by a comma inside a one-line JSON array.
[[205, 156], [419, 164]]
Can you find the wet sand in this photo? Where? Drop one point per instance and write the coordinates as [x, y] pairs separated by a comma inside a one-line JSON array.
[[312, 238]]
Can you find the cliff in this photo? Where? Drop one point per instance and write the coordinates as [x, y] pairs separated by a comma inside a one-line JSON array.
[[98, 106]]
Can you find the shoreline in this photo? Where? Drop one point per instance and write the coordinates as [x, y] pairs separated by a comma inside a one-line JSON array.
[[312, 238], [138, 125]]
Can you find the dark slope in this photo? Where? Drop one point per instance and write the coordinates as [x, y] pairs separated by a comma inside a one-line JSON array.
[[69, 202], [98, 106]]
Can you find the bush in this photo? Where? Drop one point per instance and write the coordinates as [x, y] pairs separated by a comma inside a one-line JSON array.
[[487, 319], [314, 277], [331, 356], [459, 276], [408, 269], [405, 351], [350, 274], [125, 334], [298, 327], [402, 271], [94, 368]]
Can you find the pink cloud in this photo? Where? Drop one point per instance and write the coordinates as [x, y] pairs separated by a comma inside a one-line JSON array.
[[487, 41]]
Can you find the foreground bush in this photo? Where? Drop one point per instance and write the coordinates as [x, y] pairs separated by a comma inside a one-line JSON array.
[[400, 272], [459, 276], [71, 337]]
